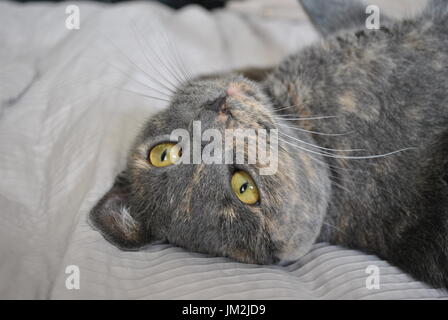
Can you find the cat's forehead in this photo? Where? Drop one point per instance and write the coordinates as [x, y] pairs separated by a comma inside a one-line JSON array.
[[249, 105], [204, 89]]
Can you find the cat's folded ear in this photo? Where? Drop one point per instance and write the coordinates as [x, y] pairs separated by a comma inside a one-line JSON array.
[[331, 16], [113, 218], [437, 7]]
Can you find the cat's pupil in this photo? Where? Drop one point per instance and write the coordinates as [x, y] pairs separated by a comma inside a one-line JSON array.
[[243, 187], [164, 155]]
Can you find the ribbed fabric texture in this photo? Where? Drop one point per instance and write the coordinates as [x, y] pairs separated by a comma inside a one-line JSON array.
[[166, 272]]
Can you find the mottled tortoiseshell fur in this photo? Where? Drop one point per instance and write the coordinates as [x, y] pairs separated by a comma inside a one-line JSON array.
[[386, 90]]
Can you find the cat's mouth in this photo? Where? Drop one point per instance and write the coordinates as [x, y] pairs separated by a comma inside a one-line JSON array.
[[222, 108], [237, 105]]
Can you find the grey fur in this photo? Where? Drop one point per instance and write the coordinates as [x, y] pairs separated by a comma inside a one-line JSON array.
[[387, 90], [193, 206]]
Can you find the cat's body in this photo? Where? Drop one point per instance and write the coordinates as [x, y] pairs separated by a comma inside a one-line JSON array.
[[383, 90], [389, 91]]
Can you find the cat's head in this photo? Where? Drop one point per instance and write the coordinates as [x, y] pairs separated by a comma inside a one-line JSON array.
[[224, 209]]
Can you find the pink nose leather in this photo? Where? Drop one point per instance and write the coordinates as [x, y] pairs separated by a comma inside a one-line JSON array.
[[234, 91]]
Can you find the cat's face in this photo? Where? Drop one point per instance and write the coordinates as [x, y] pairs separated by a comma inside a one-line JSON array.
[[221, 209]]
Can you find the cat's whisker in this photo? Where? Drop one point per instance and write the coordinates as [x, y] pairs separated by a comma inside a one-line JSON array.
[[325, 154], [333, 167], [334, 227], [351, 179], [181, 66], [315, 132], [287, 118], [284, 108], [168, 95], [291, 117], [72, 81], [138, 67], [144, 45], [134, 92], [319, 147], [305, 149], [174, 70]]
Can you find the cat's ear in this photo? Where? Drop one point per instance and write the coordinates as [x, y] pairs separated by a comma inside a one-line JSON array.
[[437, 6], [331, 16], [113, 218]]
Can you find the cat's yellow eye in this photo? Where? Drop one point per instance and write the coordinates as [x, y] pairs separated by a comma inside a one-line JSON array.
[[165, 154], [244, 188]]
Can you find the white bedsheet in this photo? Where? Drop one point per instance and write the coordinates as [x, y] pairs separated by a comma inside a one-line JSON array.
[[66, 123]]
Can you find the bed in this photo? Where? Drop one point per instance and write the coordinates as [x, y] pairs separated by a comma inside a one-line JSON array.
[[71, 102]]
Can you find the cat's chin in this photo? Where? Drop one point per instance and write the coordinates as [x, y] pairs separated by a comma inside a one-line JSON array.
[[291, 256]]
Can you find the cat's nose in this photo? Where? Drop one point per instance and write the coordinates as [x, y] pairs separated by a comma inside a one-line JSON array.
[[235, 90], [219, 105]]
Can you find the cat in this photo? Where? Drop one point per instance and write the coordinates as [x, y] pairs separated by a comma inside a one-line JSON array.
[[362, 120]]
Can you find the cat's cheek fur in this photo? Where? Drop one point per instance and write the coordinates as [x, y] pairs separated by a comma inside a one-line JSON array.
[[302, 215], [292, 254], [298, 237]]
